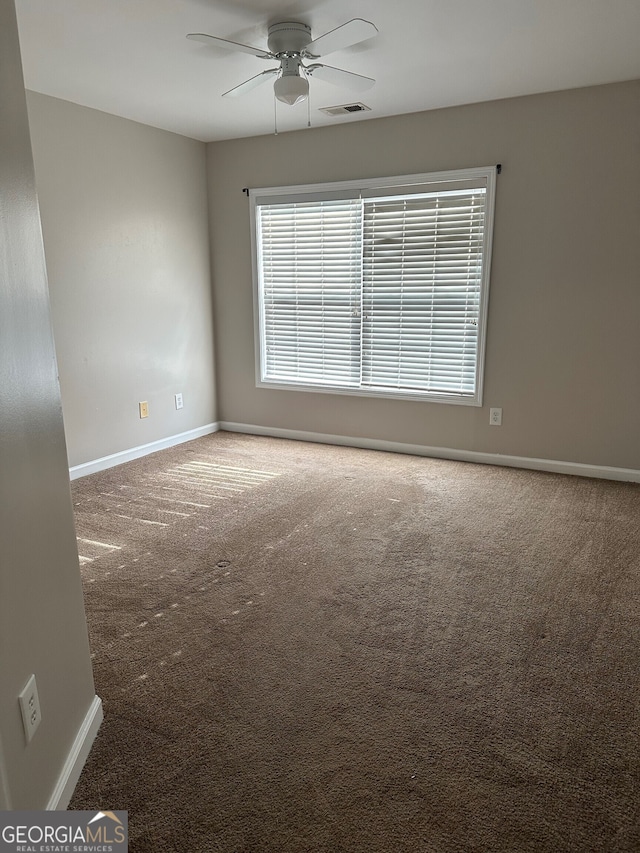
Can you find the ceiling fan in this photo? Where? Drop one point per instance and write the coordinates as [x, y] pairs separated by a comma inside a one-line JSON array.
[[290, 43]]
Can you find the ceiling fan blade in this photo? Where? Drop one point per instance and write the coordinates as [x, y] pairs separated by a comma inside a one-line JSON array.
[[338, 77], [345, 35], [230, 45], [250, 84]]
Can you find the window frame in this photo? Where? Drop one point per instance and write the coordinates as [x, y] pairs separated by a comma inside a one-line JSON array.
[[485, 175]]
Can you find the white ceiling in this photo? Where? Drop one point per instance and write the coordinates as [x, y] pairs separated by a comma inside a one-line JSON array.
[[131, 57]]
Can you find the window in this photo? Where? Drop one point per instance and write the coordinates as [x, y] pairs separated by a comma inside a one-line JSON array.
[[376, 287]]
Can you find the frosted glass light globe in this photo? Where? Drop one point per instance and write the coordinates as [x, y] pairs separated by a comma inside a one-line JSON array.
[[291, 89]]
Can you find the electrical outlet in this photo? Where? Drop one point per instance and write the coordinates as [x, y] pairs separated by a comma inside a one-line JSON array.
[[495, 417], [30, 708], [144, 410], [179, 401]]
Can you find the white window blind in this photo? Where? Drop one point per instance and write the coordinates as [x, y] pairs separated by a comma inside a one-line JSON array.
[[310, 256], [422, 273], [379, 289]]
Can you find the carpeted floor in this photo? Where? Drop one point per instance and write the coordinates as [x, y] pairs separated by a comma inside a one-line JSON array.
[[311, 648]]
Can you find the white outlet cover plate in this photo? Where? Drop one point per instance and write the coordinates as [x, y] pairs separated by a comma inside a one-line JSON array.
[[30, 708]]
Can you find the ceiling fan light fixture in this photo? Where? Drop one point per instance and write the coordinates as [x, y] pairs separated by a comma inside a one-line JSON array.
[[290, 43], [291, 89]]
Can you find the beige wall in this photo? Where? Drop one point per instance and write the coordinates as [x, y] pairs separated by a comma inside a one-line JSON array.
[[124, 218], [563, 350], [42, 622]]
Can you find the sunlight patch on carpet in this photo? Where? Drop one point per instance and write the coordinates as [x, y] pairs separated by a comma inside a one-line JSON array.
[[212, 479], [90, 549]]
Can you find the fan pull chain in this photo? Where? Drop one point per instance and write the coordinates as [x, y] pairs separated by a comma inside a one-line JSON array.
[[275, 115], [309, 110]]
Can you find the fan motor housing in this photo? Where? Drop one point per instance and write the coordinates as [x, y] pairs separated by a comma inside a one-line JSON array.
[[288, 37]]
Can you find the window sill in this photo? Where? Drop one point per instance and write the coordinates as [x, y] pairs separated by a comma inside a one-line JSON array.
[[400, 394]]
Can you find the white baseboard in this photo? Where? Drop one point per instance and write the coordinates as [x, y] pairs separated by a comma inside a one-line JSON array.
[[105, 462], [555, 466], [76, 758], [552, 465]]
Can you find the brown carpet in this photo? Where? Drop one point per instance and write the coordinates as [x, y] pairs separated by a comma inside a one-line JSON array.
[[312, 648]]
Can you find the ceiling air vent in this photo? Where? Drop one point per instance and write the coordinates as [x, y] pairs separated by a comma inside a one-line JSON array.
[[345, 109]]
